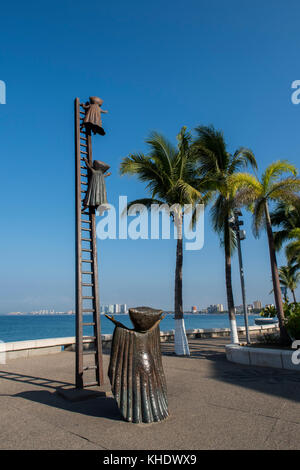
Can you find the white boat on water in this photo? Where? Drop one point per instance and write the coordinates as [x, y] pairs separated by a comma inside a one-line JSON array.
[[266, 321]]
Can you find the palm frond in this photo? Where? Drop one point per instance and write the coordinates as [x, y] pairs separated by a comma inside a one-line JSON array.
[[292, 251], [276, 169], [280, 237], [146, 170], [219, 213], [287, 215], [169, 172], [241, 158], [162, 151], [285, 190], [247, 182], [213, 141], [295, 233], [185, 193], [258, 220], [206, 159], [147, 202]]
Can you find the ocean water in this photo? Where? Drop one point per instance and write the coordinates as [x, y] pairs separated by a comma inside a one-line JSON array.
[[26, 327]]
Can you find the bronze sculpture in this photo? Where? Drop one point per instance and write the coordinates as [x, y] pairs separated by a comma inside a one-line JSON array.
[[96, 193], [92, 120], [135, 370]]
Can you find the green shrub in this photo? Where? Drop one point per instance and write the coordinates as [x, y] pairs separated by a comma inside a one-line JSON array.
[[268, 312], [269, 338], [292, 308], [293, 322]]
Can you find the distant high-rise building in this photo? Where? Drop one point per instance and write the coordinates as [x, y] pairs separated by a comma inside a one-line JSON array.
[[215, 308], [257, 304], [116, 308], [239, 309], [123, 308], [111, 308], [194, 309]]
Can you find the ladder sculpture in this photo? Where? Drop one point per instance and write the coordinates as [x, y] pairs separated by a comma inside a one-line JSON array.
[[87, 288]]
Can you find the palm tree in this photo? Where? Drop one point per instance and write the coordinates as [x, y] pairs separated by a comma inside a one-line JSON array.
[[217, 165], [292, 250], [271, 188], [170, 178], [289, 277], [286, 216]]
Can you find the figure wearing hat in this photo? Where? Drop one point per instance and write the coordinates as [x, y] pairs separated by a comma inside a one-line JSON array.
[[96, 197], [92, 120]]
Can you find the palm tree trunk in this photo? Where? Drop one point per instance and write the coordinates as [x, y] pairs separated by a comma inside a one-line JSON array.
[[178, 276], [230, 301], [284, 337], [294, 296], [181, 343]]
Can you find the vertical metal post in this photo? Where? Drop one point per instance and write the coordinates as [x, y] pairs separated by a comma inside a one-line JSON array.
[[242, 279], [78, 292], [96, 301]]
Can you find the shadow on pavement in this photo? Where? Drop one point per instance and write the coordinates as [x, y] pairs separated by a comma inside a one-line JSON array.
[[270, 381], [104, 407]]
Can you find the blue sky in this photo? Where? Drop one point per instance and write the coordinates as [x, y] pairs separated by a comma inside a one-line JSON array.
[[158, 66]]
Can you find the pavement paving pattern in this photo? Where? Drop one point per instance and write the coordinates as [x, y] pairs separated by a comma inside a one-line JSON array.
[[214, 404]]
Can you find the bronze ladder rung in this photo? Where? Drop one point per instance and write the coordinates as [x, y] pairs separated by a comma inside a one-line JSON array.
[[83, 147], [90, 384]]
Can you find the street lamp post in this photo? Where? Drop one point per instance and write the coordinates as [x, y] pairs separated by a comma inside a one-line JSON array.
[[241, 235]]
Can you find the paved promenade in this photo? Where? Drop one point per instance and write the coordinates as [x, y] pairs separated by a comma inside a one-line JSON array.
[[214, 404]]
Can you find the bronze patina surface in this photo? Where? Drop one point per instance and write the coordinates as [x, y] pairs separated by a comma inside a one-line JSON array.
[[135, 370], [93, 111], [96, 192]]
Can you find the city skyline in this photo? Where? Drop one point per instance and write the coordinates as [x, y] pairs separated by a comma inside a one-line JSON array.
[[122, 309]]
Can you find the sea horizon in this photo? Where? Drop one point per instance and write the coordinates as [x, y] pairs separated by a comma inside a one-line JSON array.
[[31, 327]]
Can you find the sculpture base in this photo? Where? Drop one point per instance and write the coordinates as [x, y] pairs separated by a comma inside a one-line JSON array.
[[74, 394]]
